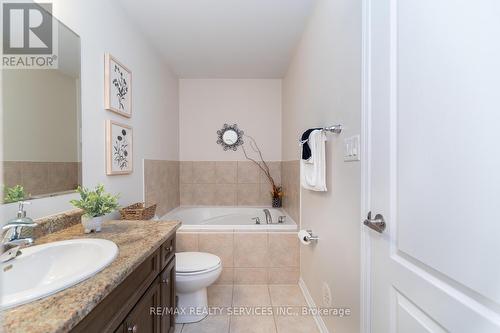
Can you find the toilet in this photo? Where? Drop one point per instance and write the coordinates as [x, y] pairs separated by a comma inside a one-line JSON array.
[[194, 272]]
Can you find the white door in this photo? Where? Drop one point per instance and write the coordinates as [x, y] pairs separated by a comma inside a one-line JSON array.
[[433, 138]]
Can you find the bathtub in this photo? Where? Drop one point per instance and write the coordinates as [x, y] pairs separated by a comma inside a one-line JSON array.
[[230, 218]]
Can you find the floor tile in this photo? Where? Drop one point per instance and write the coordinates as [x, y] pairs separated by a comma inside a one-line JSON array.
[[257, 295], [250, 276], [290, 295], [226, 277], [296, 324], [178, 328], [211, 324], [220, 295], [252, 324]]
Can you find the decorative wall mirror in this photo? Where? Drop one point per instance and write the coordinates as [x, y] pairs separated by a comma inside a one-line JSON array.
[[230, 137]]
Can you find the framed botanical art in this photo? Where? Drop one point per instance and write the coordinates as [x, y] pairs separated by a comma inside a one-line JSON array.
[[117, 87], [119, 148]]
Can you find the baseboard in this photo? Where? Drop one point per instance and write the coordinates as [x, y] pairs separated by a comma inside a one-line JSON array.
[[310, 302]]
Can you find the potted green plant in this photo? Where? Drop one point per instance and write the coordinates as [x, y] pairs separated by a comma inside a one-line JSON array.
[[95, 204], [14, 194]]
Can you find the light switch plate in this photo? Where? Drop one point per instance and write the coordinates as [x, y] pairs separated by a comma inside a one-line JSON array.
[[352, 149]]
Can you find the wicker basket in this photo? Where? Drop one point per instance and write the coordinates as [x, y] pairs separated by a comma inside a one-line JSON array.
[[138, 211]]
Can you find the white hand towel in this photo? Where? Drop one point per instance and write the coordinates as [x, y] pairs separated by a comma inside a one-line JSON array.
[[313, 171]]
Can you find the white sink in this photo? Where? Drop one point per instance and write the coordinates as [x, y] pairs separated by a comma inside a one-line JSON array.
[[43, 270]]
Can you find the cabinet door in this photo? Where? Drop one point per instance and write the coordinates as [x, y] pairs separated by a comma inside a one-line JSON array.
[[121, 328], [167, 279], [142, 318], [167, 251]]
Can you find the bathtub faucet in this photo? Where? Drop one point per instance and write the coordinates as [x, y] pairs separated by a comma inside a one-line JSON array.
[[269, 218]]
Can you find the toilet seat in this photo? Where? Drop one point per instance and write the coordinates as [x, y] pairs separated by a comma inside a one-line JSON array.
[[194, 263]]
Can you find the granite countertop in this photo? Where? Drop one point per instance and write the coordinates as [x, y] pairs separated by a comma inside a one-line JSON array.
[[60, 312]]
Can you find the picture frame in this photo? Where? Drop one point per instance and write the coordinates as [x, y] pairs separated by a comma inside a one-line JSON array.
[[117, 87], [119, 149]]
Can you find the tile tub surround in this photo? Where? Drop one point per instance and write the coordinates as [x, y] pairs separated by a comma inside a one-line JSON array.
[[248, 257], [161, 185], [241, 183], [249, 296], [290, 174], [40, 178], [60, 312]]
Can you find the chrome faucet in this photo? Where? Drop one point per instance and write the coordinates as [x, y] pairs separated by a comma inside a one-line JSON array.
[[13, 240], [269, 218]]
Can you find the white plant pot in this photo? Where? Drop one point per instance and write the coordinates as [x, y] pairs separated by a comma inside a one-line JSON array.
[[92, 223]]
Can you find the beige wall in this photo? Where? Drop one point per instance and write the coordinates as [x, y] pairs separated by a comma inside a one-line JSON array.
[[206, 104], [37, 126], [322, 87]]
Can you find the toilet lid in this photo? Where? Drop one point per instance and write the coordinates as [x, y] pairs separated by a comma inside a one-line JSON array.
[[190, 262]]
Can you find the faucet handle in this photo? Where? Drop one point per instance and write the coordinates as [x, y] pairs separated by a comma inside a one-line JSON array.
[[256, 219], [281, 219], [21, 220], [21, 212]]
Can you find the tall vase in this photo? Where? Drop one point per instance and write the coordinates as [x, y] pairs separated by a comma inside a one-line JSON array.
[[277, 202]]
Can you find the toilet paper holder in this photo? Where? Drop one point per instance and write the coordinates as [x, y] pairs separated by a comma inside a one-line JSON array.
[[312, 237]]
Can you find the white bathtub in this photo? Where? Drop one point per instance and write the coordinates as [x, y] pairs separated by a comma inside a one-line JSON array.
[[229, 218]]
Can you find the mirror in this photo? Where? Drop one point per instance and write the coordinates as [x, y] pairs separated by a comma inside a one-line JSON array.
[[41, 126], [230, 137]]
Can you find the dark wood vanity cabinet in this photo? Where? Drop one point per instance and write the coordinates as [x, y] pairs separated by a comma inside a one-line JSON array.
[[143, 302], [140, 318], [167, 294]]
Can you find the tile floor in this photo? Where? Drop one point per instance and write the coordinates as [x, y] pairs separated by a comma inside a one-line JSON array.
[[249, 296]]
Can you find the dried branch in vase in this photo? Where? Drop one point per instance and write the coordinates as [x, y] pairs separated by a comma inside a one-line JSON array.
[[277, 190]]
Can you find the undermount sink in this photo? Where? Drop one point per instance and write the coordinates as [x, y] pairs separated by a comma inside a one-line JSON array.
[[43, 270]]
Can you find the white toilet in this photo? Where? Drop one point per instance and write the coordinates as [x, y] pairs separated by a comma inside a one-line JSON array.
[[194, 272]]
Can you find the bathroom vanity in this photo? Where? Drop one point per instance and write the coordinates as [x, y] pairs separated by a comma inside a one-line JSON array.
[[143, 302], [132, 294]]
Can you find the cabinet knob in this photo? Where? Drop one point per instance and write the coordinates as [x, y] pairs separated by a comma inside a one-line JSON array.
[[170, 248], [132, 329], [166, 281]]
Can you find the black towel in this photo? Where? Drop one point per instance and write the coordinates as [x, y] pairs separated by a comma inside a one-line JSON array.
[[306, 150]]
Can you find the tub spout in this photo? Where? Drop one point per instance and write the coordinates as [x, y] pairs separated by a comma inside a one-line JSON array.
[[269, 218]]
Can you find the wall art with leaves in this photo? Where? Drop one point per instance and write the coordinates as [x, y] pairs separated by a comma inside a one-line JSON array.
[[119, 148], [117, 86]]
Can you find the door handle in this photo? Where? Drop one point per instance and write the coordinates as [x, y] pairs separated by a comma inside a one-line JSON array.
[[377, 224]]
